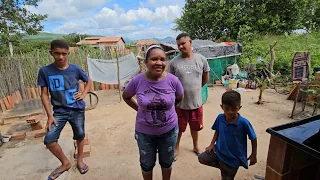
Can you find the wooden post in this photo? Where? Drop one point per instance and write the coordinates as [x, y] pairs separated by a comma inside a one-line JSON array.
[[272, 59], [21, 80], [86, 58], [118, 72], [38, 68]]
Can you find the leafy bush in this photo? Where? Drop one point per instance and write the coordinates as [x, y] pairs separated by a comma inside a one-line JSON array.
[[285, 48]]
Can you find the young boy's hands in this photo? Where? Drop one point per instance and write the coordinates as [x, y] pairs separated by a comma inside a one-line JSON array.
[[51, 120], [79, 96], [253, 159], [210, 149]]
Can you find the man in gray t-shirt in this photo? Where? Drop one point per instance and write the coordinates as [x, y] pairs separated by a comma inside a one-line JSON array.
[[193, 72]]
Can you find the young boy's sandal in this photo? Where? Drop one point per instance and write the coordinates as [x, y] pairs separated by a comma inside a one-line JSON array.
[[55, 172], [84, 169]]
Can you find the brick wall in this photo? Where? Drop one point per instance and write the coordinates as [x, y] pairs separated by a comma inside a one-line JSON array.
[[286, 162]]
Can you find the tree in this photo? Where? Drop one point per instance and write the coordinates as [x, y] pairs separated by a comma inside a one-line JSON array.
[[73, 38], [15, 20], [216, 19]]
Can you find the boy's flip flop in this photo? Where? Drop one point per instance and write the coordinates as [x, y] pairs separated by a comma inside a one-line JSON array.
[[55, 172], [84, 169]]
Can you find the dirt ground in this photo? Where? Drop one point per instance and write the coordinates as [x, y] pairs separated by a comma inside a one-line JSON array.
[[114, 152]]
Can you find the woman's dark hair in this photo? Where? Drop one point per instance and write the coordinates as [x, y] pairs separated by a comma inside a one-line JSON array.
[[151, 48], [231, 98]]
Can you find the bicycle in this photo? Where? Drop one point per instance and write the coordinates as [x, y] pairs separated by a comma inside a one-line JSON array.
[[91, 101], [282, 84]]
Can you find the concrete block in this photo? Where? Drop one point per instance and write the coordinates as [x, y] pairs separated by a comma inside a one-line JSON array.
[[40, 133], [33, 119], [18, 135], [36, 126]]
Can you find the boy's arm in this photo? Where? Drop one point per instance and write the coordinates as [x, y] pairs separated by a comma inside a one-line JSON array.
[[81, 95], [210, 148], [46, 103], [253, 156]]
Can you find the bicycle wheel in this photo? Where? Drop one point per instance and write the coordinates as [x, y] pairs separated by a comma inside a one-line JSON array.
[[283, 84], [91, 100]]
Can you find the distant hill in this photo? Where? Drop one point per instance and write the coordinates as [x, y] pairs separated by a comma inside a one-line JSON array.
[[167, 39], [44, 36], [47, 36], [51, 36]]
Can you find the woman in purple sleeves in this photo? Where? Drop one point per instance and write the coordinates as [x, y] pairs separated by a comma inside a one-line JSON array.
[[156, 130]]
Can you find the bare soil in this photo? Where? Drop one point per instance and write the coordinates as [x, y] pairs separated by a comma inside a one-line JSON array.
[[114, 152]]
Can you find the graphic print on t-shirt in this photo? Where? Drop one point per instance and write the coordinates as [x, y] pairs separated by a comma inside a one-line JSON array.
[[157, 107], [56, 83]]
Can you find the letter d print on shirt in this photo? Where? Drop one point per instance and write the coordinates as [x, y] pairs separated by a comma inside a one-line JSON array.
[[56, 83]]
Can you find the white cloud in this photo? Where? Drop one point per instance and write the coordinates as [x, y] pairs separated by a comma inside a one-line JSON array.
[[114, 18], [134, 23], [58, 10]]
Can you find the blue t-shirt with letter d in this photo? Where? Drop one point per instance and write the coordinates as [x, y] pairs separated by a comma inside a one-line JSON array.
[[62, 84], [231, 145]]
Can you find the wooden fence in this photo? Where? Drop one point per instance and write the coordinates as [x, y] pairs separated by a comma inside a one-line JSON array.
[[18, 75]]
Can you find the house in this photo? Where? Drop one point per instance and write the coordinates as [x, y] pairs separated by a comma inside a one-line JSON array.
[[144, 44], [103, 41]]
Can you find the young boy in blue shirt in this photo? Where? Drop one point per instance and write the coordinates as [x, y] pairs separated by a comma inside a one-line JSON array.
[[228, 148], [61, 80]]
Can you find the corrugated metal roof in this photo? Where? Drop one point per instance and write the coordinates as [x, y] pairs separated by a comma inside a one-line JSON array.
[[210, 49], [97, 40]]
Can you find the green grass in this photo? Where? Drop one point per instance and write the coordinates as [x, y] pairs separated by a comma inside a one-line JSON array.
[[284, 50]]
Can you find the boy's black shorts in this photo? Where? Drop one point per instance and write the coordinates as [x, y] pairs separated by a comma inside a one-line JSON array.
[[211, 159]]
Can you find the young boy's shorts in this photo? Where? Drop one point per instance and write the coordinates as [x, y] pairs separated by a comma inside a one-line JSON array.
[[193, 117], [76, 119], [211, 159]]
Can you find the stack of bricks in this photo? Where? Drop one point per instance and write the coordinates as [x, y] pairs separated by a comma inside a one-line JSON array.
[[86, 148], [9, 102], [285, 162], [36, 126]]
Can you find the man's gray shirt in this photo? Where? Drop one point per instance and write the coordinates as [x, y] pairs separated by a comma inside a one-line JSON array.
[[190, 71]]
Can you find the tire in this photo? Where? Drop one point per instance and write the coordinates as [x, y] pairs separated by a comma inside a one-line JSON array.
[[91, 100]]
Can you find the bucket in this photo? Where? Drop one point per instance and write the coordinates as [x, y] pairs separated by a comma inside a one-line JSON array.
[[5, 139], [233, 83]]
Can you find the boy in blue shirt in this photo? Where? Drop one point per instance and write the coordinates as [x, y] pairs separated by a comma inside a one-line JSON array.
[[228, 148], [61, 80]]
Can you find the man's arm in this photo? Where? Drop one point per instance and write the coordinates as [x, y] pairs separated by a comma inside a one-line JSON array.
[[46, 104], [178, 99], [205, 78]]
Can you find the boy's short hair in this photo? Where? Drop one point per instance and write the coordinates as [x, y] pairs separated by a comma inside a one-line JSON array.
[[231, 98], [182, 35], [58, 44]]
